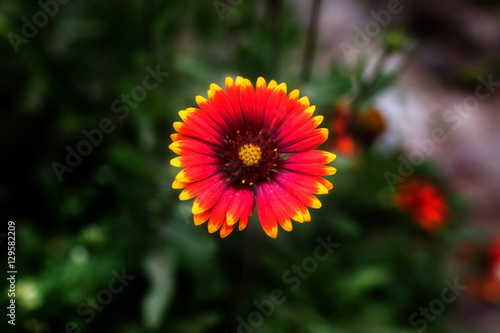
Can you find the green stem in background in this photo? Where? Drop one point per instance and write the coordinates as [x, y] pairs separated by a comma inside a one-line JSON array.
[[379, 70], [364, 84], [276, 23], [310, 47], [240, 297]]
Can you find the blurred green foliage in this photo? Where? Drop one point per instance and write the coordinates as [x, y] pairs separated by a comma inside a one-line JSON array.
[[116, 210]]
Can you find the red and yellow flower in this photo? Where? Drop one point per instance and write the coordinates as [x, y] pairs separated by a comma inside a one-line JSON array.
[[247, 147], [423, 201]]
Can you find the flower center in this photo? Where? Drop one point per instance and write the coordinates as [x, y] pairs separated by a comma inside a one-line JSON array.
[[250, 157], [250, 154]]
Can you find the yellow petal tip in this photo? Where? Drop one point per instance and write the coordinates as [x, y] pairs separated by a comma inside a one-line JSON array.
[[281, 87], [330, 157], [316, 204], [184, 114], [272, 232], [304, 101], [178, 126], [294, 94], [261, 83], [185, 195], [175, 147], [272, 84], [200, 100], [176, 162]]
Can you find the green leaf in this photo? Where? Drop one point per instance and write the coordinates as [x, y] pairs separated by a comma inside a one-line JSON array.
[[160, 268]]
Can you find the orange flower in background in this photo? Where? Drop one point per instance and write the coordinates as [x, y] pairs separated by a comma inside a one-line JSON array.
[[369, 125], [493, 259], [249, 146], [342, 140], [490, 287], [423, 202], [485, 284], [345, 145], [490, 290], [353, 131]]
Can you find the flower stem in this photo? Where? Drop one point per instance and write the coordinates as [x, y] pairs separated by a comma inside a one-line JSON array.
[[310, 47]]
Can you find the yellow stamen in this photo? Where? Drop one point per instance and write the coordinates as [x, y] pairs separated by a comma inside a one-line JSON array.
[[250, 154]]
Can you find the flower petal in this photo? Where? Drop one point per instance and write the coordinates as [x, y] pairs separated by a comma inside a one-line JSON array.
[[218, 215], [299, 193], [191, 146], [196, 173], [207, 199], [308, 183], [311, 169], [178, 185], [202, 217], [277, 208], [294, 208], [211, 112], [198, 129], [201, 187], [247, 102], [301, 144], [193, 160], [312, 156], [262, 94], [243, 222], [243, 203], [225, 230], [266, 216]]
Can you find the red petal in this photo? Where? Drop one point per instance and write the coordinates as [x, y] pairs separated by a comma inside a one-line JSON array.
[[311, 169], [191, 146], [243, 203], [207, 199], [299, 193], [218, 215], [196, 173], [276, 208], [201, 218], [243, 222], [309, 183], [294, 115], [194, 160], [229, 103], [267, 219], [262, 94], [210, 111], [293, 208], [247, 101], [203, 121], [225, 230], [198, 128], [312, 156], [201, 187], [274, 106], [303, 144], [286, 111], [325, 183]]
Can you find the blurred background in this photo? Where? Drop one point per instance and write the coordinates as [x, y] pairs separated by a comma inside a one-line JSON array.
[[410, 94]]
